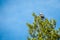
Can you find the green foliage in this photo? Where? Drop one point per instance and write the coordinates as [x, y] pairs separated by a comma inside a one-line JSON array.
[[43, 29]]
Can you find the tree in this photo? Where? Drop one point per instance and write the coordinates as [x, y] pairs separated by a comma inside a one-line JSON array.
[[43, 29]]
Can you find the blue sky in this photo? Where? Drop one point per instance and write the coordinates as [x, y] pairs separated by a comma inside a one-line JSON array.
[[15, 13]]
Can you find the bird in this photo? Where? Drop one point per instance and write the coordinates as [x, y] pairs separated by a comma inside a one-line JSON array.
[[41, 15]]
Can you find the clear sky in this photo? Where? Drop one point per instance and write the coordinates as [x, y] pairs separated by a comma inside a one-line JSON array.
[[15, 13]]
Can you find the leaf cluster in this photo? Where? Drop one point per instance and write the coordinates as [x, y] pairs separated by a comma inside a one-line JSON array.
[[43, 29]]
